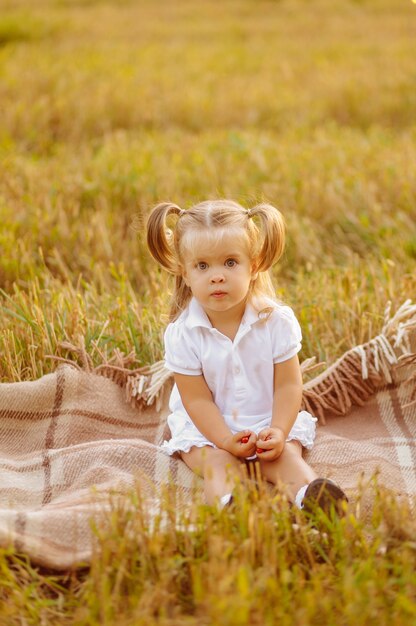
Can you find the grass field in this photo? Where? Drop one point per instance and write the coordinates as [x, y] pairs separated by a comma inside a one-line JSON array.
[[107, 108]]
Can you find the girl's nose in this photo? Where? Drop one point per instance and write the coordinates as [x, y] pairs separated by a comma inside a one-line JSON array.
[[217, 278]]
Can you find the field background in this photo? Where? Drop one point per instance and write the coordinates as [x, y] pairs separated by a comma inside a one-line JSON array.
[[107, 108]]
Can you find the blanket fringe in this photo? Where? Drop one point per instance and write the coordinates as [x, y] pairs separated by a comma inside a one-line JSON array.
[[351, 380], [143, 385]]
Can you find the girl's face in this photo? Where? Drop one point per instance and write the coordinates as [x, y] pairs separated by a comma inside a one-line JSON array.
[[219, 273]]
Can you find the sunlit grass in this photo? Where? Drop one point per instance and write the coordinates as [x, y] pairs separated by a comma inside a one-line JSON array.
[[108, 108], [262, 562]]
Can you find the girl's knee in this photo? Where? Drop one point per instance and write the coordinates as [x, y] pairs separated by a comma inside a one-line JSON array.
[[219, 461], [207, 458], [293, 447], [196, 458], [220, 456]]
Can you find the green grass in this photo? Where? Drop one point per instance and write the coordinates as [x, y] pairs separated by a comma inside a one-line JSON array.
[[110, 107], [262, 563]]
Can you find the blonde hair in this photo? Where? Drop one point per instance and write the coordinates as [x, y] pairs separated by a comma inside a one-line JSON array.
[[262, 227]]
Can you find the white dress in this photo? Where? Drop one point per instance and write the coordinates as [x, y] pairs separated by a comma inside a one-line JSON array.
[[239, 373]]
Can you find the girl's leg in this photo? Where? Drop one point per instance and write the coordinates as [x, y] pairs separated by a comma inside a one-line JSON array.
[[218, 468], [290, 469]]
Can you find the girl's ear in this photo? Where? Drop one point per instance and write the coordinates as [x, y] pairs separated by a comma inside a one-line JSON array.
[[182, 271]]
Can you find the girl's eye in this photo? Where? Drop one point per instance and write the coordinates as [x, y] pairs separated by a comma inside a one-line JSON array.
[[230, 262], [202, 265]]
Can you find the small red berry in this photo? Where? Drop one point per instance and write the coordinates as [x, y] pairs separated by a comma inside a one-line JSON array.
[[245, 439], [259, 450]]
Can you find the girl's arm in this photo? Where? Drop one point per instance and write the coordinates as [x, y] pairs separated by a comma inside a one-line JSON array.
[[197, 400], [287, 395], [287, 399]]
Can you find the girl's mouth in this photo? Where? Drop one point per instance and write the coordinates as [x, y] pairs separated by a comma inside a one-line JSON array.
[[218, 294]]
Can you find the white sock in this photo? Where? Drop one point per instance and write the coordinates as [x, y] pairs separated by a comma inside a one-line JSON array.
[[225, 500], [299, 496]]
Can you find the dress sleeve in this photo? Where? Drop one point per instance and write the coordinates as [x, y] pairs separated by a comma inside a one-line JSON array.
[[286, 334], [181, 353]]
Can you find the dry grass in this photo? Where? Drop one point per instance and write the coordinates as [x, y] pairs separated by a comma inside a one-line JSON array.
[[108, 108], [262, 563]]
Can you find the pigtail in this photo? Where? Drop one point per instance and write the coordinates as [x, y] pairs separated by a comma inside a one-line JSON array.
[[273, 231], [160, 238]]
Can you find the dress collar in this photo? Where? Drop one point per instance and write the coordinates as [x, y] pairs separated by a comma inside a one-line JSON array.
[[196, 315], [198, 318]]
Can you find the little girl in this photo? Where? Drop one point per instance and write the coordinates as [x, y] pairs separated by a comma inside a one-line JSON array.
[[233, 351]]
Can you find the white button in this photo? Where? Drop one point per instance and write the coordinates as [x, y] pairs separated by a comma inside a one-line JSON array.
[[237, 370]]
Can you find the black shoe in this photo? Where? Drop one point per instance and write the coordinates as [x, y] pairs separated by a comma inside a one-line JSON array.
[[326, 495]]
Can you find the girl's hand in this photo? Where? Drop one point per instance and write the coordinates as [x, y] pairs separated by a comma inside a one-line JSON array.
[[270, 444], [242, 444]]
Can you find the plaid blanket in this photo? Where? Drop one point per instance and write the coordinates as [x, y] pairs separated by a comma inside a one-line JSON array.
[[70, 438]]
